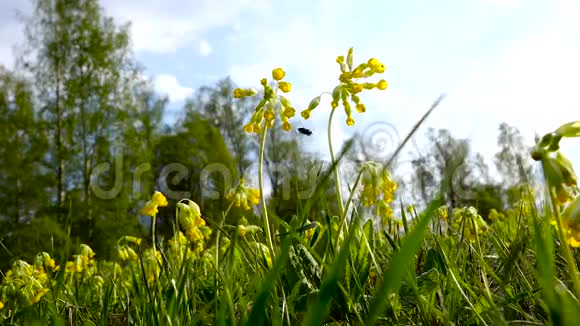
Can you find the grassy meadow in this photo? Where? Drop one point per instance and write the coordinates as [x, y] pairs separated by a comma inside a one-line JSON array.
[[431, 266]]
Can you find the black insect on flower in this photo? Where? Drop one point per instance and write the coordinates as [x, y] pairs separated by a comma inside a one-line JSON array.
[[305, 131]]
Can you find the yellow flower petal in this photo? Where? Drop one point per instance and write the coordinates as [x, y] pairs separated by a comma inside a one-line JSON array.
[[150, 209], [159, 199]]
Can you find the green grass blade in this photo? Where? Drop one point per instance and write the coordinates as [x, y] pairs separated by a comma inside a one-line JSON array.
[[319, 309], [258, 313], [400, 264]]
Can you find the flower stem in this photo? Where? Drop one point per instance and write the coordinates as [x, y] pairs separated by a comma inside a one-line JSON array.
[[336, 173], [262, 197], [153, 235]]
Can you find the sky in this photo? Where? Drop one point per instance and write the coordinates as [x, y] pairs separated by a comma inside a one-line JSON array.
[[514, 61]]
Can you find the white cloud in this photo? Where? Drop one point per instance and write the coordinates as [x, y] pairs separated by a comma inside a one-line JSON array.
[[157, 26], [11, 30], [204, 48], [168, 84], [166, 26], [531, 84]]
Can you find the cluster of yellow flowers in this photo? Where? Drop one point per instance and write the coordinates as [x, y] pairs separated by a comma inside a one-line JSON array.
[[245, 229], [244, 196], [378, 189], [157, 200], [561, 178], [189, 216], [468, 221], [124, 251], [271, 104], [179, 245], [25, 284], [350, 87], [443, 212], [571, 222], [83, 262]]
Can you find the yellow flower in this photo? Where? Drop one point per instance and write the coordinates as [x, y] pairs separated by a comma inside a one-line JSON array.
[[70, 267], [86, 251], [350, 85], [265, 112], [571, 221], [286, 126], [122, 253], [130, 239], [1, 304], [472, 222], [278, 74], [385, 211], [150, 208], [309, 233], [244, 196], [189, 217], [379, 68], [357, 88], [382, 84], [285, 86], [193, 234], [238, 93], [349, 121], [289, 112], [377, 180], [242, 230], [269, 115], [442, 212], [39, 295], [159, 199]]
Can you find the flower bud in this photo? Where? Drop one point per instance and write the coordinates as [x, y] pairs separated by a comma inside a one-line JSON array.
[[349, 58], [314, 103], [570, 129], [285, 86], [278, 74]]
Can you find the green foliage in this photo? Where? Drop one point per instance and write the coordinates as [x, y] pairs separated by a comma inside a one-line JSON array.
[[27, 240], [179, 161]]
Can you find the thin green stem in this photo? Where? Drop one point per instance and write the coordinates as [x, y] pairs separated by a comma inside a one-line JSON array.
[[153, 235], [262, 197], [336, 172]]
